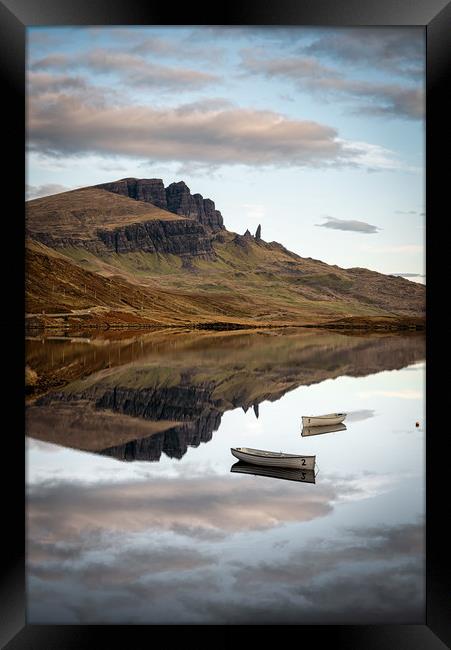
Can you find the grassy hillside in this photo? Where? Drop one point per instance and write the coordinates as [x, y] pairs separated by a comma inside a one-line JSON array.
[[243, 281], [79, 213]]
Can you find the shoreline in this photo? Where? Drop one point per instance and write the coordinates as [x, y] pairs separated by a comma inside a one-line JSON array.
[[357, 323]]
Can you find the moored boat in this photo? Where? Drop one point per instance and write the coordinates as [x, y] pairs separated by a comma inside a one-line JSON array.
[[285, 473], [322, 420], [327, 428], [273, 458]]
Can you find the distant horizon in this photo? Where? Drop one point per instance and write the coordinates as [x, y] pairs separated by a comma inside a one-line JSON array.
[[317, 134]]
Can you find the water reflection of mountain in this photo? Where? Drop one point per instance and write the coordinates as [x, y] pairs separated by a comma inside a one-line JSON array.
[[135, 399], [191, 404]]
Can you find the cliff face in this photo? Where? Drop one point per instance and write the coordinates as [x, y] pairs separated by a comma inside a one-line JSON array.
[[149, 190], [185, 238], [176, 198], [181, 201]]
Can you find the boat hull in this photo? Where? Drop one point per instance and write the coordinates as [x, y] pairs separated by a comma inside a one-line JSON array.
[[293, 462], [284, 473], [328, 428], [318, 421]]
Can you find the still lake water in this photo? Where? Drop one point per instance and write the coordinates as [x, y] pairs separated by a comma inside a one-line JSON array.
[[134, 514]]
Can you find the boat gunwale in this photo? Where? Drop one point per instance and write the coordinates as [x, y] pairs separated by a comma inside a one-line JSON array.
[[270, 454], [329, 416]]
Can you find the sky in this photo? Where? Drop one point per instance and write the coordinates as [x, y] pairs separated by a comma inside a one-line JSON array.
[[317, 134]]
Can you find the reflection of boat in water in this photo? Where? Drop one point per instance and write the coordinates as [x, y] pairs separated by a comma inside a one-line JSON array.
[[273, 458], [322, 420], [286, 473], [328, 428]]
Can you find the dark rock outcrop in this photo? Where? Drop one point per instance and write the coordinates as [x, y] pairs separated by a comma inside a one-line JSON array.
[[149, 190], [176, 198], [180, 201], [184, 237], [258, 233], [93, 245], [243, 240]]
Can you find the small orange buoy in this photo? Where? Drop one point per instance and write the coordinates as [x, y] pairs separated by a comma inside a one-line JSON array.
[[417, 424]]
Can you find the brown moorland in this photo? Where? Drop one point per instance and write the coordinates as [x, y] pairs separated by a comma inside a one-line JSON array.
[[96, 258]]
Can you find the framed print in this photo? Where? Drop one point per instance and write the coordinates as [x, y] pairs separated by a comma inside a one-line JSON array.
[[223, 252]]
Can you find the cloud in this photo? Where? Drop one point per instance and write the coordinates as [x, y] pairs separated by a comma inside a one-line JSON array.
[[35, 191], [400, 51], [351, 225], [51, 62], [67, 125], [203, 133], [178, 48], [373, 98], [38, 37], [131, 69], [44, 82], [158, 42]]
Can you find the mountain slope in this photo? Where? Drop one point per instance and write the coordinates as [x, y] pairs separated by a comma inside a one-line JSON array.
[[80, 213], [199, 273]]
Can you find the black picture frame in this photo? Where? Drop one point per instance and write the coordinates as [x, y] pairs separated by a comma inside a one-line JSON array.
[[15, 16]]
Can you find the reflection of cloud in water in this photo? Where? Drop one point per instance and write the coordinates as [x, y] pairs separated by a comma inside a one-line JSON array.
[[357, 416], [377, 574], [203, 507], [208, 503], [81, 571]]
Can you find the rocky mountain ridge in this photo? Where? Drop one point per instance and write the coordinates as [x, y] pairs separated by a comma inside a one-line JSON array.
[[215, 276], [176, 198]]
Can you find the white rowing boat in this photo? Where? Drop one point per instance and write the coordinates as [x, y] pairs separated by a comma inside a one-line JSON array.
[[273, 458], [285, 473], [322, 420], [327, 428]]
